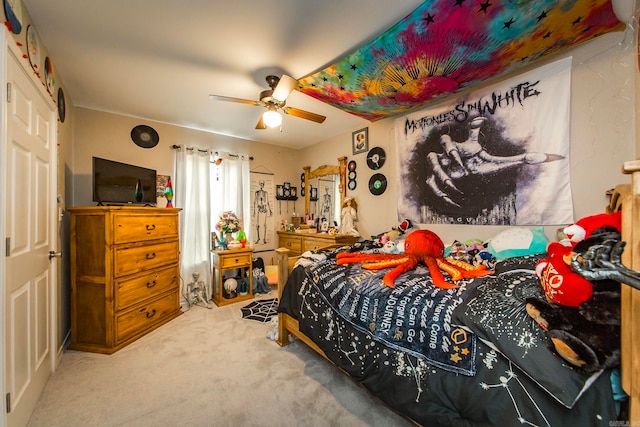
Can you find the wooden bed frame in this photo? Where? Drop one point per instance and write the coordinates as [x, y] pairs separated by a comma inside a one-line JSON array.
[[625, 197]]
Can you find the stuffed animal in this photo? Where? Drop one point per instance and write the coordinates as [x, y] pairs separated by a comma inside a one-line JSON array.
[[560, 284], [586, 334], [518, 241], [404, 227], [585, 227]]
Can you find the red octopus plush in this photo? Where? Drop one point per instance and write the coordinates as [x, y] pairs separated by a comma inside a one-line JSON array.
[[420, 245]]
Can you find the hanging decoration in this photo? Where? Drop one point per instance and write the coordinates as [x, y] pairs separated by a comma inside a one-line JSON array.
[[446, 46]]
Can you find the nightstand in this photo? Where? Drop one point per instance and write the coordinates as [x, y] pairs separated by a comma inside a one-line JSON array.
[[231, 260]]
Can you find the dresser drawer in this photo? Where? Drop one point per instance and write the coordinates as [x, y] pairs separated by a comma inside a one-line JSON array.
[[293, 243], [147, 285], [135, 321], [231, 261], [135, 228], [313, 244], [133, 259]]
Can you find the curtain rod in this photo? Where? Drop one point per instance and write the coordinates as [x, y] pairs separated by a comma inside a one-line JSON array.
[[201, 150]]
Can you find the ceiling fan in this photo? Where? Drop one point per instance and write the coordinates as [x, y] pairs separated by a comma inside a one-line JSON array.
[[274, 100]]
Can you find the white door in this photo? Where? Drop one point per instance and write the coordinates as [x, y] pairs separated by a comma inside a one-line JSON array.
[[29, 229]]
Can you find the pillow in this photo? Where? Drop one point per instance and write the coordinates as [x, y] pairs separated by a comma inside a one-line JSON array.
[[518, 241], [495, 311]]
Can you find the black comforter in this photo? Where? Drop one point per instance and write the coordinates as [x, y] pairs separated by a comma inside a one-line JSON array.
[[499, 393]]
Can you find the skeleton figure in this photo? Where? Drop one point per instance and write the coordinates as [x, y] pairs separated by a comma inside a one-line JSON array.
[[262, 210], [469, 158], [197, 292]]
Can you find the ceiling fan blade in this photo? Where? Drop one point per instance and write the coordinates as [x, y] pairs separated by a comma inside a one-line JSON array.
[[285, 86], [260, 124], [231, 99], [304, 114]]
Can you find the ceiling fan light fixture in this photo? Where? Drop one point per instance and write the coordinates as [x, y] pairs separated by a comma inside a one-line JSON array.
[[272, 118]]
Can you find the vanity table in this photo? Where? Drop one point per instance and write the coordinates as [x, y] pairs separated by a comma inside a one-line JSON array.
[[304, 240], [297, 243]]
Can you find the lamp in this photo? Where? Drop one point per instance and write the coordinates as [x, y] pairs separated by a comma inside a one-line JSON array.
[[271, 117]]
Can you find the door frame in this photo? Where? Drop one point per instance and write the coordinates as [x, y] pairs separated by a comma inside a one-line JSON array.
[[9, 47]]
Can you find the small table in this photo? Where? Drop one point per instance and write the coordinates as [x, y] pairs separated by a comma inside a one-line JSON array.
[[231, 259]]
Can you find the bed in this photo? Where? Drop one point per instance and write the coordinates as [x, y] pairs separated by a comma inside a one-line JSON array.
[[466, 356]]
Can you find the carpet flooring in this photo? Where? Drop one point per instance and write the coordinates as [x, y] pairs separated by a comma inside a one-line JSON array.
[[208, 367]]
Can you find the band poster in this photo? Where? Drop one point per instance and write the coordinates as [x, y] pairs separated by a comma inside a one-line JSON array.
[[263, 191], [496, 156]]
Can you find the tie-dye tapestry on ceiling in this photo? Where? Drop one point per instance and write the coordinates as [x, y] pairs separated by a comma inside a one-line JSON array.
[[497, 156], [445, 46]]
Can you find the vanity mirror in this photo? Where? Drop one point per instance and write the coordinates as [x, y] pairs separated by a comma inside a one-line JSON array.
[[325, 191]]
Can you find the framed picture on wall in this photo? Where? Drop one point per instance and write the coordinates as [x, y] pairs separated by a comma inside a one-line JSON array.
[[360, 141]]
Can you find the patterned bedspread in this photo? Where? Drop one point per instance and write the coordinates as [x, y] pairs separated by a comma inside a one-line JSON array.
[[414, 317], [326, 299]]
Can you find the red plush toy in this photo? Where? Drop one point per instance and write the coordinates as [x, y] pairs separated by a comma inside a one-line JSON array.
[[560, 284], [584, 227]]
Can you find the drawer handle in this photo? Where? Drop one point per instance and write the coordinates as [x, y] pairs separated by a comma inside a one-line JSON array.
[[151, 284], [151, 313], [151, 256], [288, 243], [151, 227], [237, 260]]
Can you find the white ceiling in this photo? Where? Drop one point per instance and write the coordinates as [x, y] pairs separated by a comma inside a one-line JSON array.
[[160, 59]]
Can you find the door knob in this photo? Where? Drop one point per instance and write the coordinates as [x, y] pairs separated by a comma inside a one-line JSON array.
[[54, 254]]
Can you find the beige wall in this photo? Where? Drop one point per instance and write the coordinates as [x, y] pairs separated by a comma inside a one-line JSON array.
[[602, 138], [108, 136]]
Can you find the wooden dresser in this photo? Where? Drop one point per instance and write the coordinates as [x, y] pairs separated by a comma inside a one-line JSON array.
[[125, 274], [297, 243]]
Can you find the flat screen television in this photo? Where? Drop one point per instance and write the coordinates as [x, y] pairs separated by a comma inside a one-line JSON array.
[[116, 183]]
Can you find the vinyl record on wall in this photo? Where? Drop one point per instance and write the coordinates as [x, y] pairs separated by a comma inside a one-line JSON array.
[[61, 105], [376, 158], [352, 165], [13, 13], [377, 184], [144, 136], [33, 49], [352, 175], [352, 185]]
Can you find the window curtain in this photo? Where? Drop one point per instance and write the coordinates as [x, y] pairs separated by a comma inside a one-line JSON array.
[[230, 191], [192, 194]]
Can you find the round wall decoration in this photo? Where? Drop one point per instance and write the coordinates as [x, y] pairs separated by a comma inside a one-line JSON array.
[[33, 49], [61, 105], [145, 136], [13, 12], [376, 158], [49, 75], [377, 184]]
